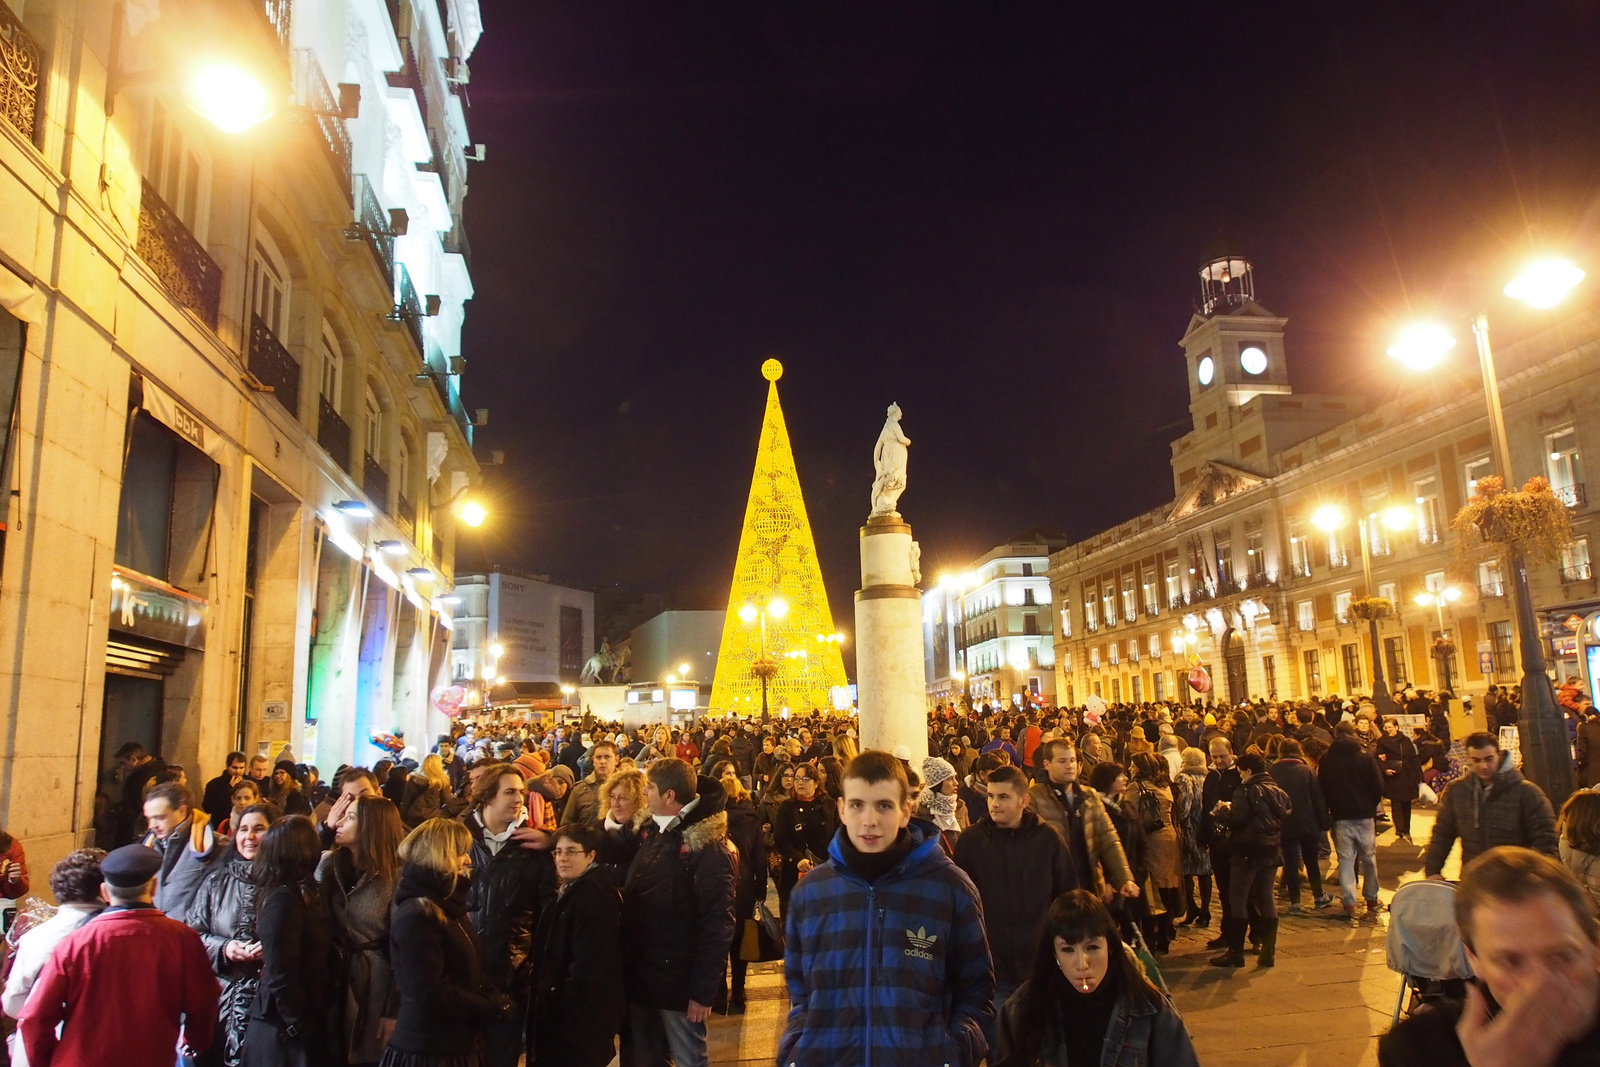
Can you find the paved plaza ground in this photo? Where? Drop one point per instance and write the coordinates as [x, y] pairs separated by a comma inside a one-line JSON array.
[[1323, 1005]]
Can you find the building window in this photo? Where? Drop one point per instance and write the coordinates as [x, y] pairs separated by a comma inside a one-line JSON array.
[[1390, 592], [1224, 542], [374, 439], [1269, 674], [1474, 469], [1341, 606], [269, 289], [332, 367], [1033, 656], [1138, 689], [1313, 672], [1500, 649], [1352, 666], [1338, 548], [1116, 652], [1305, 616], [1116, 690], [1174, 585], [1491, 583], [1108, 601], [1133, 650], [1158, 682], [1066, 661], [1433, 581], [1030, 623], [1155, 646], [1178, 642], [1575, 562], [1066, 618], [1027, 597], [1299, 550], [1129, 614], [1151, 594], [1090, 622], [1394, 660], [1027, 570], [1377, 532], [1255, 554], [1566, 466], [1094, 658], [1097, 689], [175, 170], [1430, 511], [1071, 699]]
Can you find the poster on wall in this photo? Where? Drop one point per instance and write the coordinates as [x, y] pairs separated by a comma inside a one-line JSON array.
[[572, 651]]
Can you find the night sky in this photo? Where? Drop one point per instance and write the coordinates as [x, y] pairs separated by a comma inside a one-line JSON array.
[[991, 213]]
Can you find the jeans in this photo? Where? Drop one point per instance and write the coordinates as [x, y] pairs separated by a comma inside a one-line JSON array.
[[662, 1036], [1298, 851], [1355, 839]]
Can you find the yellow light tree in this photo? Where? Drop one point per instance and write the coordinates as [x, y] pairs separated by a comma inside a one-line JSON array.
[[777, 599]]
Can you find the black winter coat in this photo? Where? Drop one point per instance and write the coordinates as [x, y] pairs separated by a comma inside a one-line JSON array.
[[578, 1002], [1351, 782], [1399, 755], [291, 1019], [803, 825], [1219, 785], [1310, 814], [1018, 873], [677, 910], [445, 1000], [1256, 816], [504, 898], [744, 831]]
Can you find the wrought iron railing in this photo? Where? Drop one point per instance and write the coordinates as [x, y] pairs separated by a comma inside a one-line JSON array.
[[1582, 572], [185, 269], [324, 109], [272, 365], [375, 482], [372, 227], [1492, 589], [21, 71], [406, 515], [1572, 495], [1302, 570], [333, 433], [409, 309], [277, 12]]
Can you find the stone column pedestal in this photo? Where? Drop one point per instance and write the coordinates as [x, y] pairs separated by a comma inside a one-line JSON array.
[[891, 686]]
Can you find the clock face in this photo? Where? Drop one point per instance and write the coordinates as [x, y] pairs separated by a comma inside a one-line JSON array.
[[1253, 360], [1206, 371]]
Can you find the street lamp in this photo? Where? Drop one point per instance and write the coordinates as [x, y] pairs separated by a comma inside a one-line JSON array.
[[230, 96], [1331, 517], [472, 513], [1542, 730], [1437, 601], [776, 609], [566, 693]]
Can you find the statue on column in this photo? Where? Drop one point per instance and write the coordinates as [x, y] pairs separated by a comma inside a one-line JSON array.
[[889, 459]]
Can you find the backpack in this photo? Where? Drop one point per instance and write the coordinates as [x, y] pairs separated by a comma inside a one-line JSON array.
[[1275, 805]]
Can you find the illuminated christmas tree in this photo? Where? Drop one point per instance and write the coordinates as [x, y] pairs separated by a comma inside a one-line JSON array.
[[779, 626]]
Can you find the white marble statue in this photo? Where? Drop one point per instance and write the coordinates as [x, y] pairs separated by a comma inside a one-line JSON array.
[[889, 458], [916, 563]]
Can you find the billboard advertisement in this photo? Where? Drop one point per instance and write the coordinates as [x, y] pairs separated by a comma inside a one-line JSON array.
[[547, 631]]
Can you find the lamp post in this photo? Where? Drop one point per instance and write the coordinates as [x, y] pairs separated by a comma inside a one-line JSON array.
[[1542, 730], [1437, 601], [1331, 518], [777, 608]]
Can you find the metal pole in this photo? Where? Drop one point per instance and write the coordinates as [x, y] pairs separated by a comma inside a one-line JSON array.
[[1380, 686], [1542, 728]]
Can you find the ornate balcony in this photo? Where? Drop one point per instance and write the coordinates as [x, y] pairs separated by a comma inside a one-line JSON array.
[[185, 270], [409, 309], [21, 70], [375, 482], [333, 433], [372, 227], [1489, 590], [1573, 496], [277, 14], [272, 365], [1581, 572], [320, 102], [1302, 570]]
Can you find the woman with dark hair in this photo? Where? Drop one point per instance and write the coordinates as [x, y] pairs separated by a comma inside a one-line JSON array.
[[744, 831], [289, 1019], [358, 877], [1110, 780], [287, 794], [1149, 800], [803, 830], [832, 776], [446, 1003], [223, 913], [1402, 771], [246, 795], [1085, 986], [578, 1002], [394, 784]]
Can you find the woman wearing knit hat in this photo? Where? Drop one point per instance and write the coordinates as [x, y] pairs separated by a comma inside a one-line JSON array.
[[938, 801]]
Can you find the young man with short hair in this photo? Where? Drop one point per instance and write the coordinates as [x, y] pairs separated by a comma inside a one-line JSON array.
[[1079, 816], [1533, 941], [1019, 866], [217, 800], [583, 799], [886, 959], [1490, 805]]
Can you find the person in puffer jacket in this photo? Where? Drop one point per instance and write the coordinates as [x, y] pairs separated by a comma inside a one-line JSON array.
[[1490, 805], [886, 959]]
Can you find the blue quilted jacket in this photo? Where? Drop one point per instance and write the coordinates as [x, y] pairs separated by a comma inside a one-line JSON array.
[[891, 973]]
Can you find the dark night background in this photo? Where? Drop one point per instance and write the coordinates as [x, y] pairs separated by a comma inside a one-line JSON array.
[[990, 213]]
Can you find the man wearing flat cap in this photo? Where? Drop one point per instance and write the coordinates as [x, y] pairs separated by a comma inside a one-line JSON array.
[[124, 985]]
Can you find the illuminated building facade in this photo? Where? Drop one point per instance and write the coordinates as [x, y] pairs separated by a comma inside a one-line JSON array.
[[232, 281]]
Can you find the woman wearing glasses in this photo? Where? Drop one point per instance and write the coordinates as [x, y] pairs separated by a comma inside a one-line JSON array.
[[578, 1002], [803, 830]]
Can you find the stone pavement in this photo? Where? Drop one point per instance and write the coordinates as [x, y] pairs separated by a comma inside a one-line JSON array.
[[1323, 1005]]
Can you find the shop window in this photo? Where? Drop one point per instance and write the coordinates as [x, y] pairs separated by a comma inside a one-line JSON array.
[[1352, 666]]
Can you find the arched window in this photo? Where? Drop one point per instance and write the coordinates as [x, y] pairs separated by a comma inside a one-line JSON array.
[[374, 427], [402, 469], [269, 286], [332, 367]]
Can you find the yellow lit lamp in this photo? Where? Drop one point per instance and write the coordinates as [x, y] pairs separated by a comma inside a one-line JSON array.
[[229, 95], [472, 513]]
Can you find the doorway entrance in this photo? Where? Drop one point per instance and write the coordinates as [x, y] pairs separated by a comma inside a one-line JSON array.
[[1233, 658]]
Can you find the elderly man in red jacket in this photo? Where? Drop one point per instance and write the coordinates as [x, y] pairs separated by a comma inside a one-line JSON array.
[[125, 984]]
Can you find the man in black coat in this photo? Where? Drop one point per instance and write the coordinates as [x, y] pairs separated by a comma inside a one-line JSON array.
[[1308, 820], [677, 916], [1220, 784], [1353, 787], [217, 800], [1019, 864]]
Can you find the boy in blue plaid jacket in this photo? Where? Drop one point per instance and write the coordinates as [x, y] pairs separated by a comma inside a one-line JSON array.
[[886, 959]]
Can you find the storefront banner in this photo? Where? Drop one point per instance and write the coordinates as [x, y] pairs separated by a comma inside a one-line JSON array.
[[145, 607], [181, 421]]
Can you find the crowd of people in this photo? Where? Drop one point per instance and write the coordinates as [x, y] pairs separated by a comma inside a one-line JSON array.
[[563, 895]]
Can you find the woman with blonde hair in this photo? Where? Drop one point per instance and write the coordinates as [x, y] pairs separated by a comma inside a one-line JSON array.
[[623, 813], [426, 793], [446, 1003], [844, 747]]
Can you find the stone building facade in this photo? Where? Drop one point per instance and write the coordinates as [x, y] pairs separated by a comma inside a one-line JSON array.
[[231, 366], [1233, 575]]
